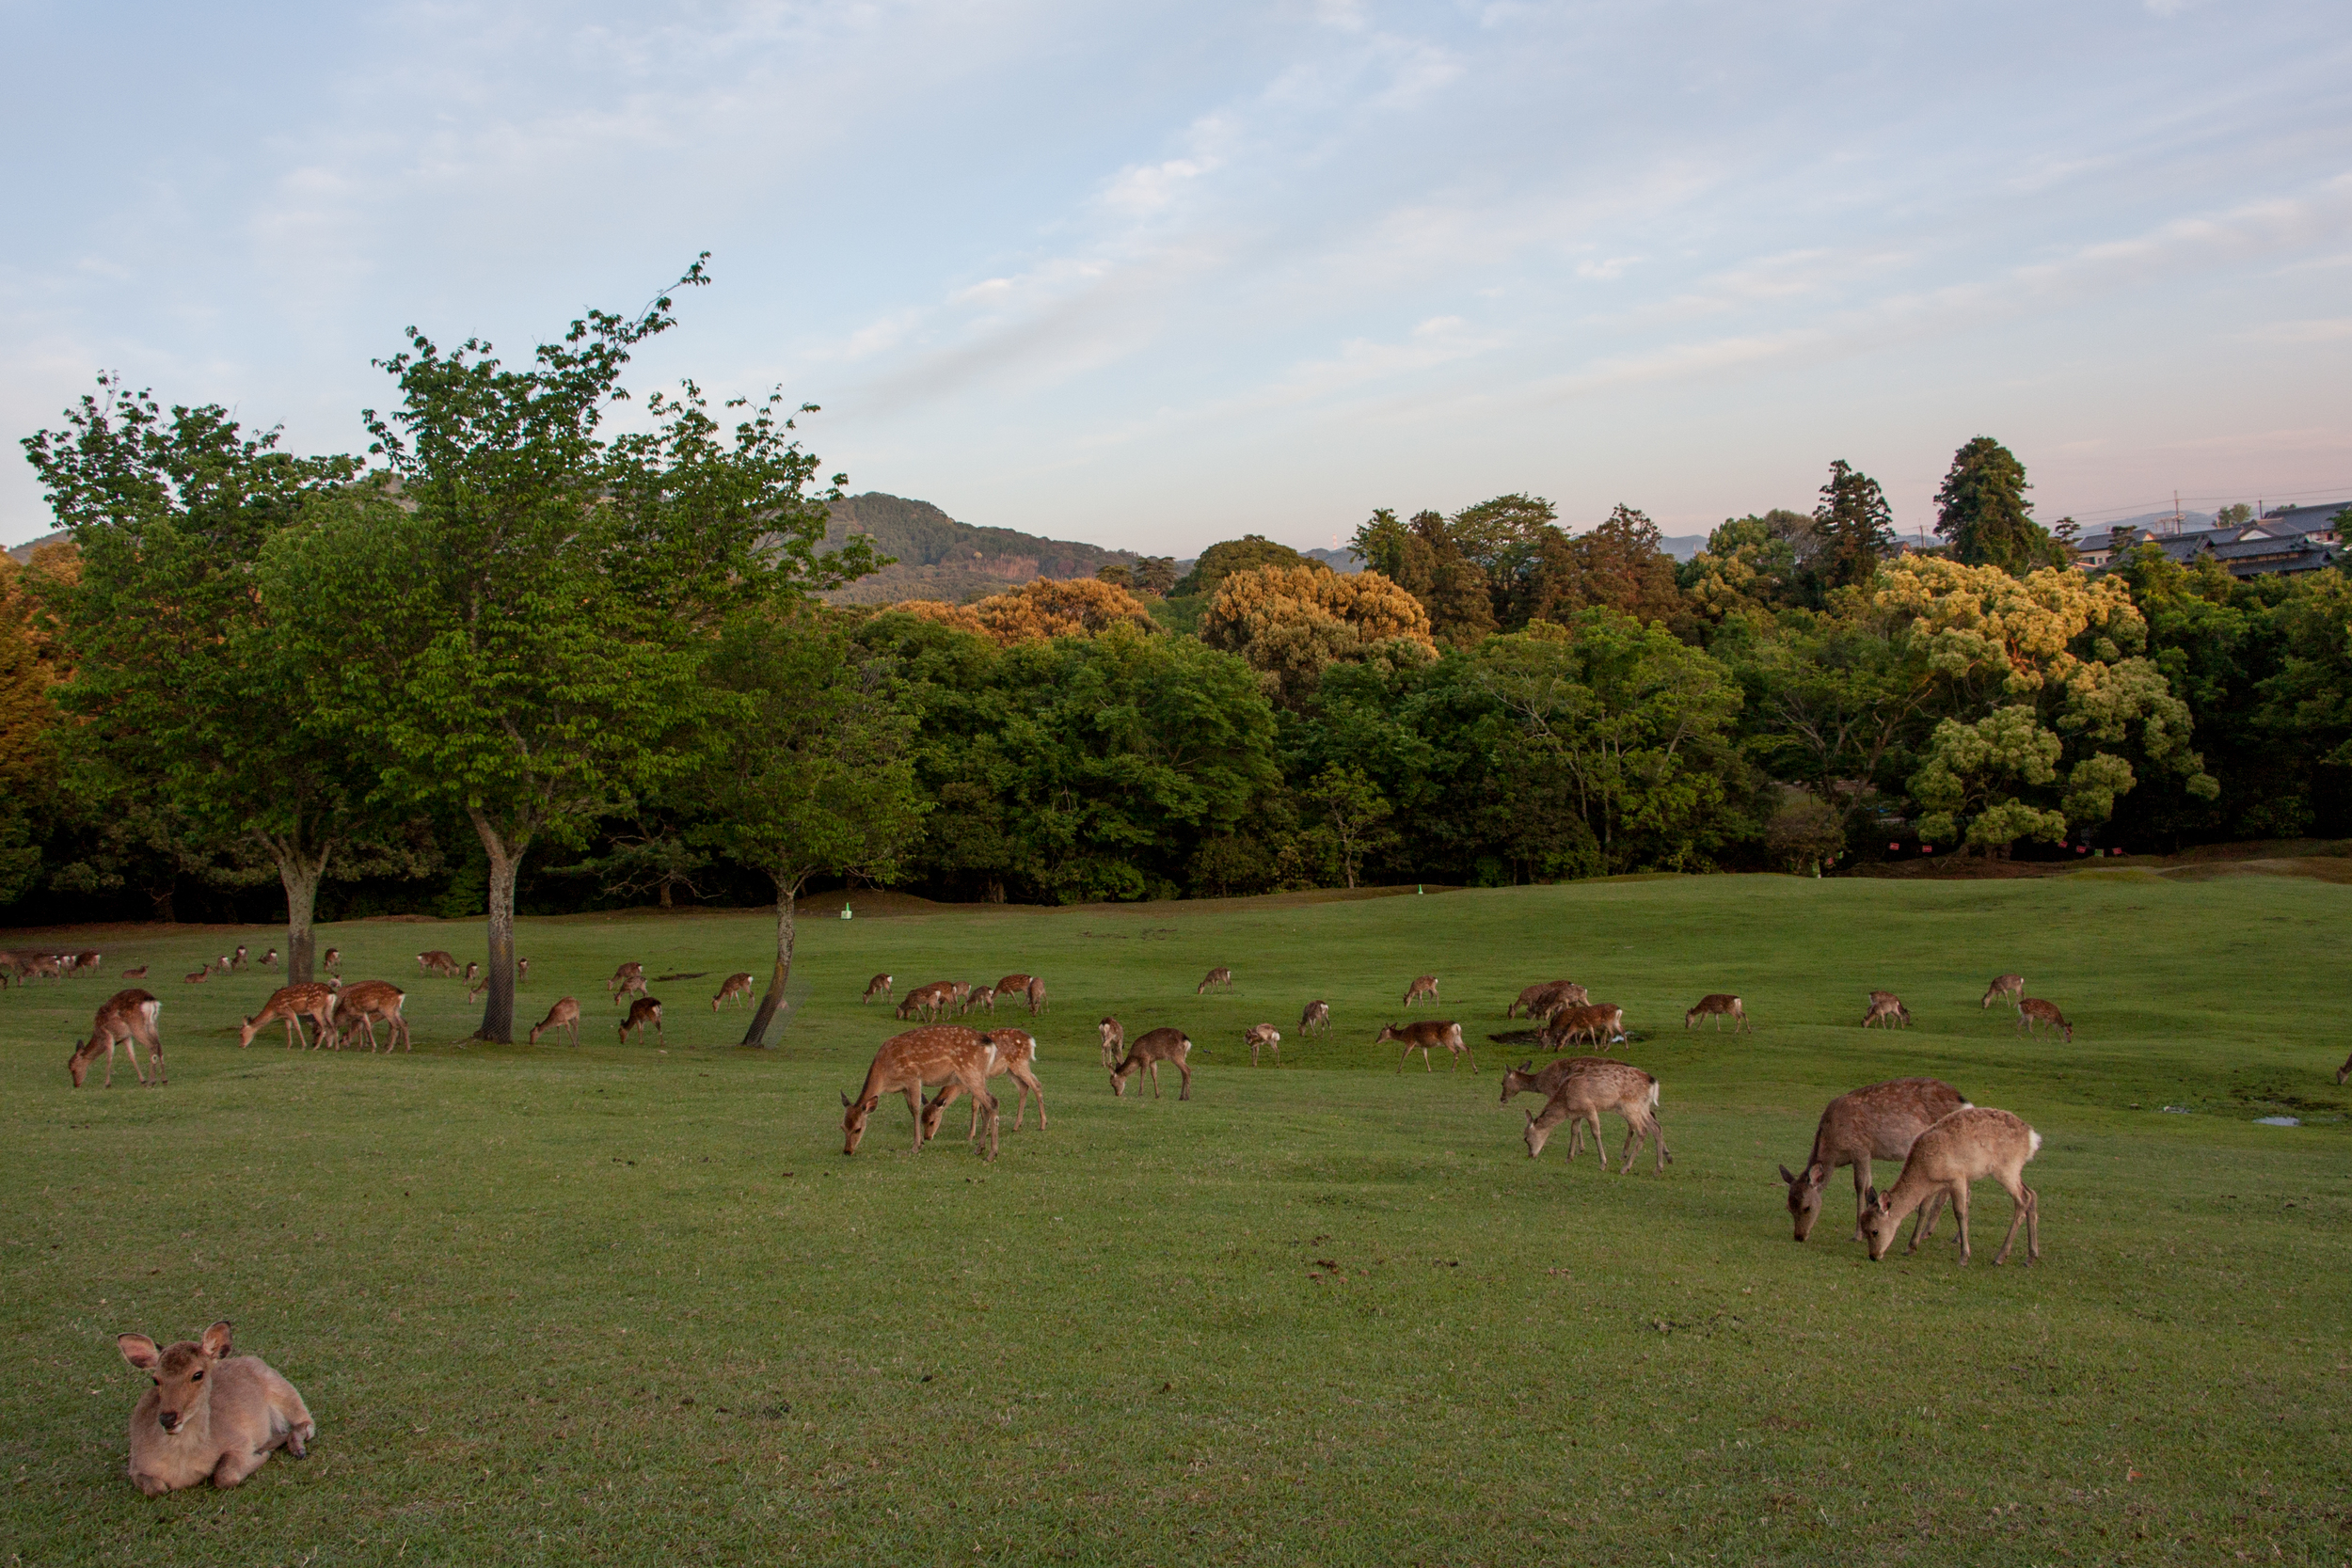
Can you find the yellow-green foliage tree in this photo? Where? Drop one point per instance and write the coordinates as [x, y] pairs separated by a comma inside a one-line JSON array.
[[1038, 611], [2048, 699], [27, 717], [1290, 623]]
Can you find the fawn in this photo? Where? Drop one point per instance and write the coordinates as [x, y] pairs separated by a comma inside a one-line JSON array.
[[208, 1414]]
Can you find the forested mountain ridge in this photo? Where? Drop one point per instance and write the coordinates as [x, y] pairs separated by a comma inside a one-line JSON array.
[[939, 557]]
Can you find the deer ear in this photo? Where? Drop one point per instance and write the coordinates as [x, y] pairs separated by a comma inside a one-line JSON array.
[[1786, 1177], [138, 1349], [217, 1339], [845, 1102], [1871, 1199], [1817, 1173]]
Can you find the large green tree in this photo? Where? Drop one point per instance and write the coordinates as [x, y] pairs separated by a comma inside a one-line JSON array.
[[1982, 510], [517, 619], [196, 699], [1855, 526], [804, 769]]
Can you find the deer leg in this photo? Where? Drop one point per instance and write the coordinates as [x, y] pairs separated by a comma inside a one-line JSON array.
[[1632, 1141], [2024, 1203], [1923, 1228], [1154, 1069], [1861, 1185], [1181, 1066], [1030, 1086], [914, 1109], [1600, 1150], [1960, 1214], [1658, 1134]]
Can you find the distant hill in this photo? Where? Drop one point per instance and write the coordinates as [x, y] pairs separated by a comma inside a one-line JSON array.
[[23, 554], [939, 557]]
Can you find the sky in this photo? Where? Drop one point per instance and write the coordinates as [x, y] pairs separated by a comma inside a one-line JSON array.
[[1153, 274]]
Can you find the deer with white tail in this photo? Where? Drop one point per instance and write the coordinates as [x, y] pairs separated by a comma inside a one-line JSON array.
[[1967, 1146]]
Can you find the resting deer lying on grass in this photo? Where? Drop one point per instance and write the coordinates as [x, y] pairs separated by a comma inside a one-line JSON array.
[[2033, 1010], [1603, 1085], [1719, 1007], [137, 974], [1425, 1036], [359, 1007], [199, 978], [1016, 1054], [1878, 1122], [290, 1005], [738, 986], [2010, 986], [1264, 1034], [878, 986], [208, 1414], [1213, 979], [1146, 1054], [910, 1063], [1886, 1008], [126, 1019], [563, 1015], [645, 1010], [1316, 1019], [1967, 1146]]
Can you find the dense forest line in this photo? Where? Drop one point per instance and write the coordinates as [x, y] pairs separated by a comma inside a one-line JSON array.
[[508, 660]]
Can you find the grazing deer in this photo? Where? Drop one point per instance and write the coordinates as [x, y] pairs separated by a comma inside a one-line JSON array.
[[1016, 1054], [1037, 1005], [2033, 1010], [236, 959], [622, 975], [208, 1414], [199, 976], [438, 962], [1886, 1008], [958, 993], [137, 974], [359, 1007], [1013, 985], [473, 972], [1213, 979], [522, 969], [1264, 1034], [1115, 1044], [1877, 1122], [1424, 1035], [46, 966], [1967, 1146], [630, 984], [1146, 1054], [290, 1005], [333, 962], [1548, 998], [1424, 985], [221, 963], [2010, 986], [736, 986], [930, 1001], [269, 960], [1718, 1007], [982, 995], [1526, 1079], [92, 961], [645, 1010], [1597, 1087], [563, 1015], [1598, 1021], [910, 1063], [2344, 1071], [1316, 1019], [878, 986], [126, 1019]]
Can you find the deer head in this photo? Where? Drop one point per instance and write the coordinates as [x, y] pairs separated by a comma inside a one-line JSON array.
[[1805, 1196], [853, 1121], [1878, 1223], [178, 1371]]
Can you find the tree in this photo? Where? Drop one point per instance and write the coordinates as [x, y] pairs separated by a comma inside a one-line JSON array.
[[1982, 509], [1237, 555], [1116, 575], [1855, 525], [1292, 623], [1156, 575], [804, 769], [1039, 609], [1352, 815], [27, 730], [194, 694], [519, 627]]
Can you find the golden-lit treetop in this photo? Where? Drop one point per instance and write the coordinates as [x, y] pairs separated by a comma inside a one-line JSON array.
[[1036, 611], [1291, 621]]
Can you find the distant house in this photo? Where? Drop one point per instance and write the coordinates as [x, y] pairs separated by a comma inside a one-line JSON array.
[[2284, 539]]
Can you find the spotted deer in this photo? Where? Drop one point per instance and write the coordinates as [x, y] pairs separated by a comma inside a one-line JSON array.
[[1880, 1122], [290, 1005], [362, 1006], [1424, 985], [630, 985], [930, 1001], [910, 1063], [209, 1416], [1115, 1043], [1598, 1022], [878, 986], [563, 1015], [1886, 1009], [2033, 1010], [1014, 985], [1264, 1034], [333, 962], [1541, 1001], [645, 1010], [438, 962], [1602, 1085], [2010, 986], [126, 1019], [983, 996], [1160, 1045], [1035, 991], [631, 970], [1719, 1007], [92, 962], [1316, 1019], [1424, 1035], [737, 986], [1016, 1055], [1213, 979], [1967, 1146]]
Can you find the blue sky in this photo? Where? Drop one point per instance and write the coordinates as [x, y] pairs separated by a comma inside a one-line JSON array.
[[1153, 274]]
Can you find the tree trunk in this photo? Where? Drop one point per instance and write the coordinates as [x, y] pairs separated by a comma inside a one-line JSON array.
[[773, 1002], [498, 1016], [301, 881]]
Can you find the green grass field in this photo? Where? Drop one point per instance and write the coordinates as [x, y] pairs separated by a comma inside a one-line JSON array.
[[613, 1304]]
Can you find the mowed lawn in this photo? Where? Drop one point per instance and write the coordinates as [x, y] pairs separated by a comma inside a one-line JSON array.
[[616, 1305]]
